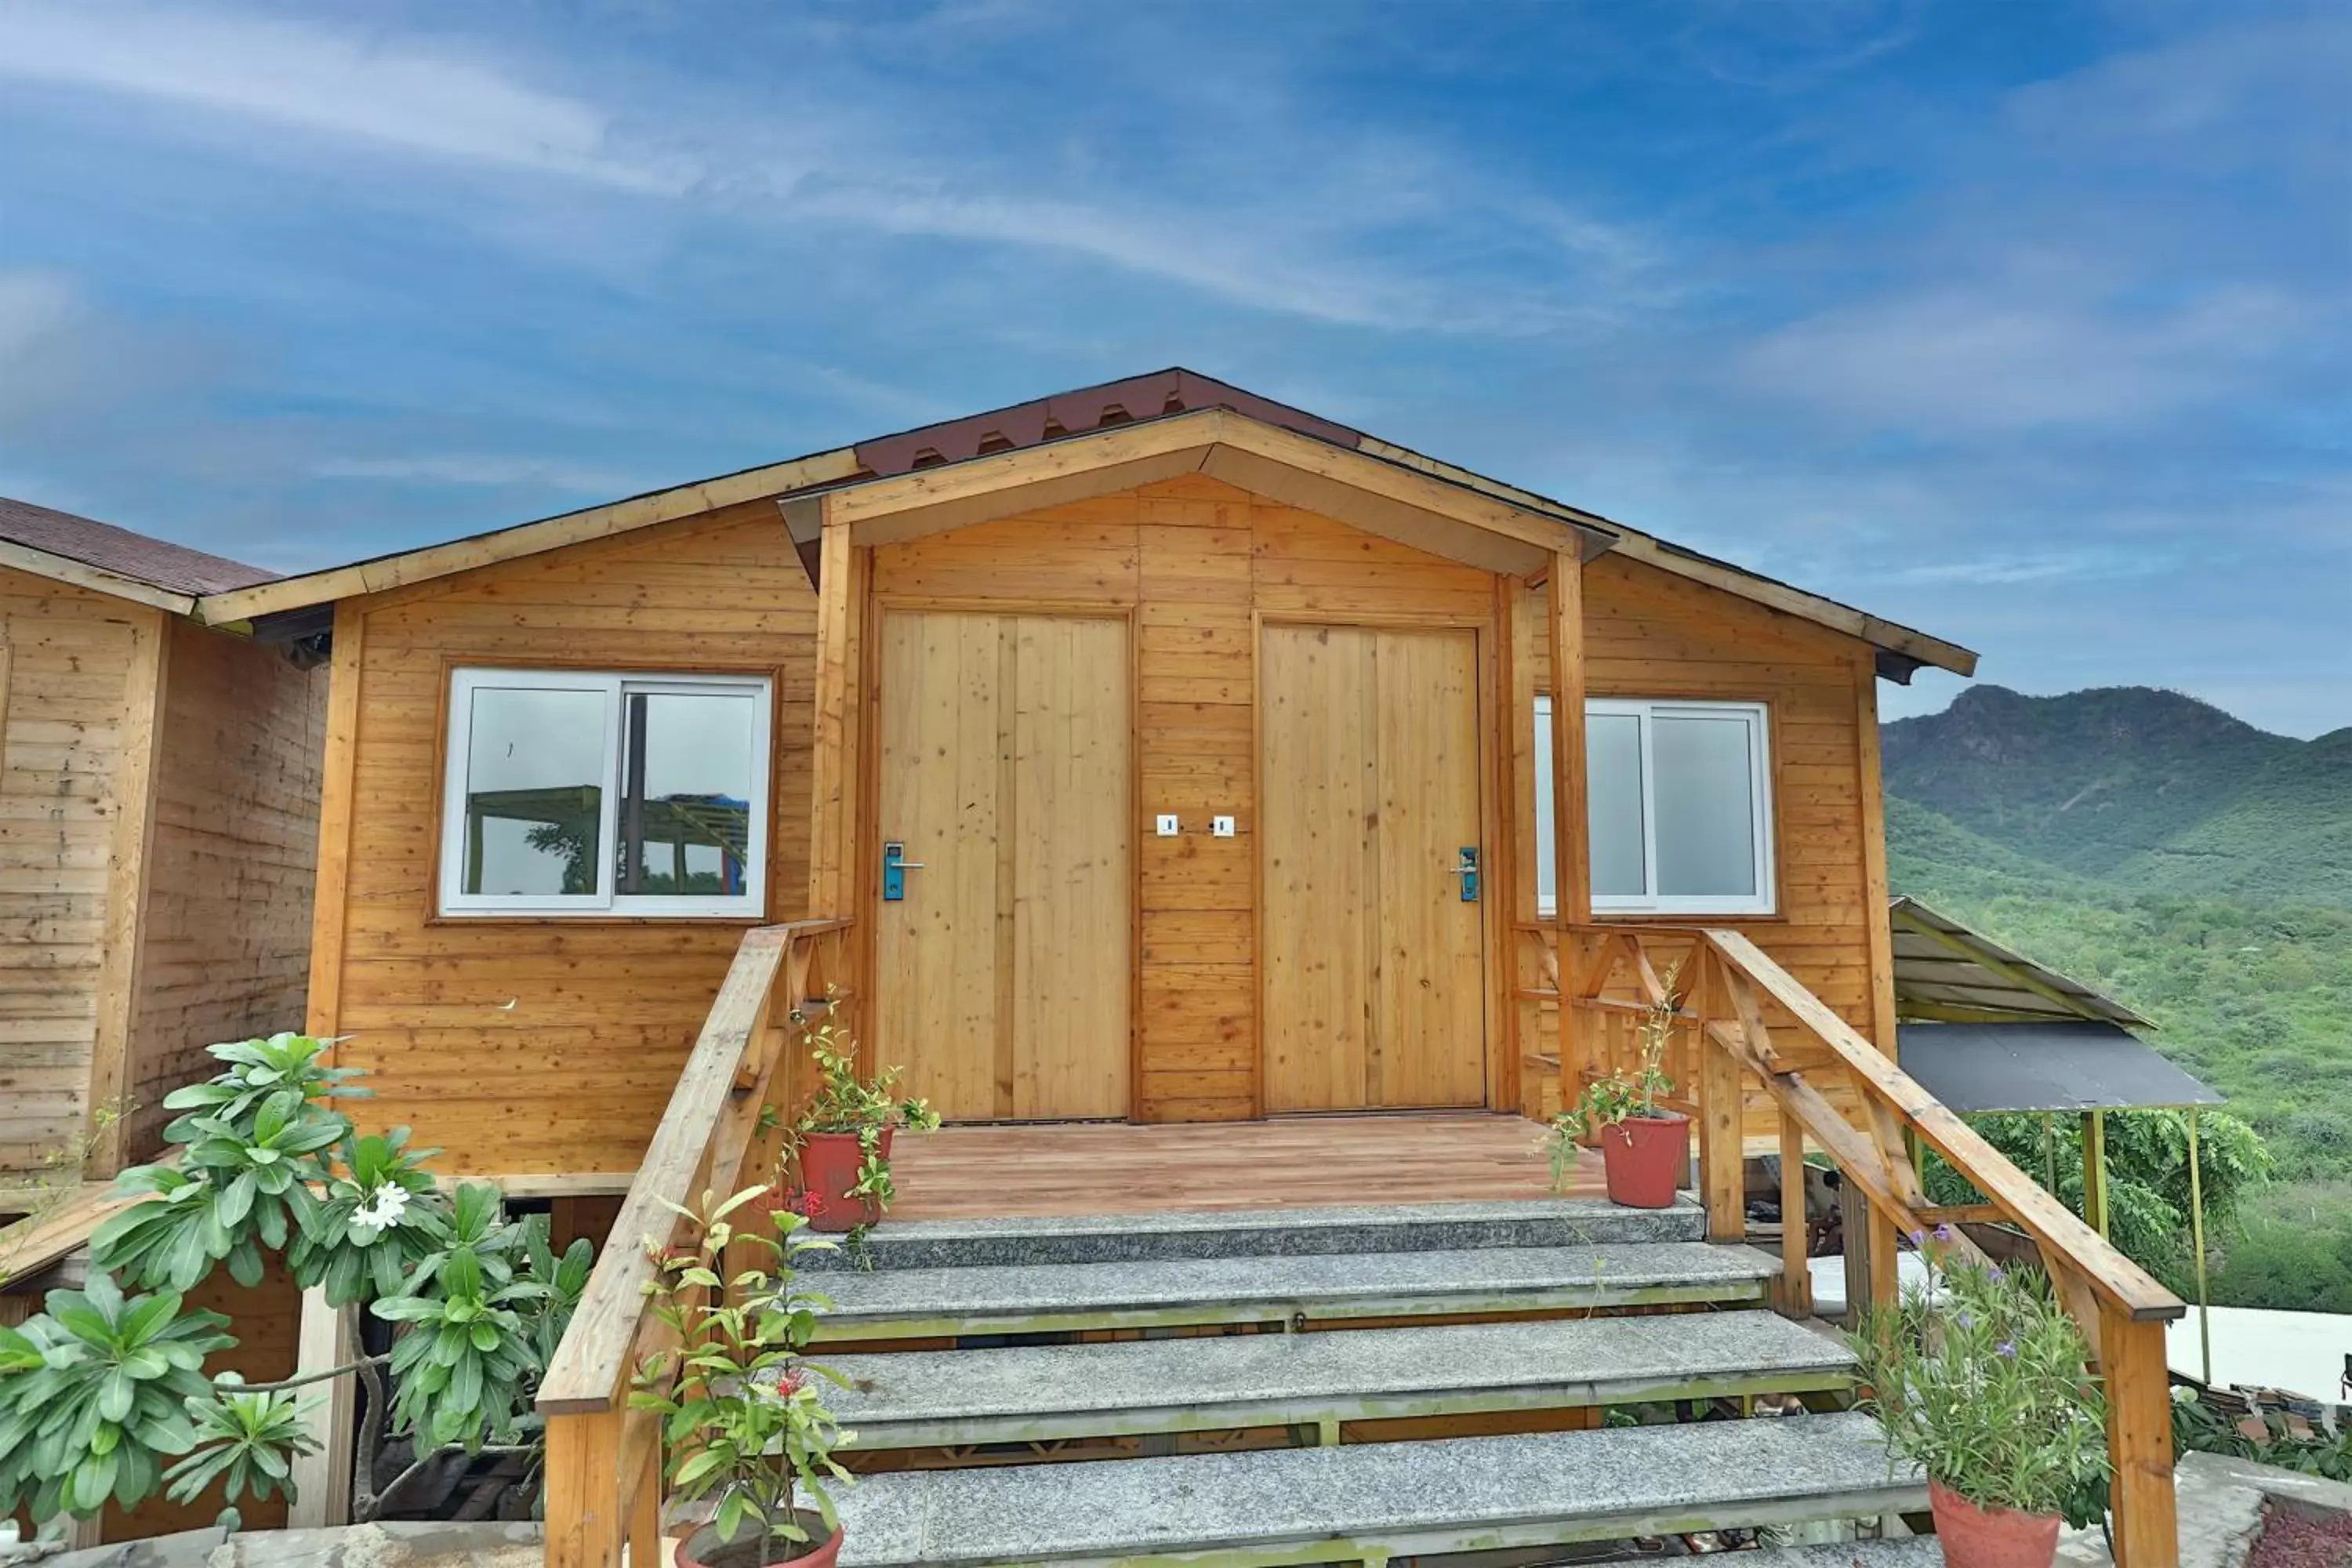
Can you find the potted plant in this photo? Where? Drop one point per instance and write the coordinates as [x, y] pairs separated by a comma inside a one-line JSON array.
[[1979, 1377], [1644, 1150], [841, 1138], [746, 1434]]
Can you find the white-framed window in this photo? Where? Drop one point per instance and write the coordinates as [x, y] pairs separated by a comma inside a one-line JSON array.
[[572, 792], [1678, 806]]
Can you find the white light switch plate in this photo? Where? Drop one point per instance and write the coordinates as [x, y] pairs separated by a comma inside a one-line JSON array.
[[1221, 828], [1168, 826]]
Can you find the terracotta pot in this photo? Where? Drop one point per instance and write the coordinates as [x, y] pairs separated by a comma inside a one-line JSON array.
[[705, 1548], [1644, 1157], [829, 1166], [1974, 1537]]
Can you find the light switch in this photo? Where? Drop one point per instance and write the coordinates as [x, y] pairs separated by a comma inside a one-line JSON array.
[[1168, 825], [1221, 828]]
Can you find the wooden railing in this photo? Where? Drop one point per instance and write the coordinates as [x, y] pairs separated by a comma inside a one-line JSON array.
[[603, 1480], [1744, 1018]]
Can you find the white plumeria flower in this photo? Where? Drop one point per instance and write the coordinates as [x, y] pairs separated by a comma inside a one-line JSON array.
[[383, 1210]]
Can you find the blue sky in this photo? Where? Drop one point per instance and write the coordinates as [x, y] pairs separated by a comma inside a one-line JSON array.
[[2025, 323]]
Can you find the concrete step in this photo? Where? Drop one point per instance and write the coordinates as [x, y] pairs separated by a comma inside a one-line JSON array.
[[1041, 1392], [1374, 1500], [1904, 1551], [1262, 1233], [923, 1303]]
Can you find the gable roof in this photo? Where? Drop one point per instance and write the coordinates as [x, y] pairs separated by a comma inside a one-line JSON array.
[[1090, 414], [97, 555]]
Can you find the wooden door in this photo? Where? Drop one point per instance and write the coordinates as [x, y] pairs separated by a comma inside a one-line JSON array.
[[1002, 974], [1375, 968]]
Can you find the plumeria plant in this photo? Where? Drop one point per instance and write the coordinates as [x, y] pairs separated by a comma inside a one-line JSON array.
[[268, 1164], [1978, 1376], [745, 1428]]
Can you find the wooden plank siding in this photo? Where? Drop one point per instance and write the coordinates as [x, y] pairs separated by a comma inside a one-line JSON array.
[[531, 1045], [1202, 565], [69, 656], [1648, 634], [225, 940]]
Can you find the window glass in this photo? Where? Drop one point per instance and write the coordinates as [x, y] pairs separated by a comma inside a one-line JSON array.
[[534, 790], [1547, 864], [1612, 784], [687, 790], [1705, 806]]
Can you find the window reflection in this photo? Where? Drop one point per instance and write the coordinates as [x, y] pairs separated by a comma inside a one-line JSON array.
[[534, 790], [686, 792]]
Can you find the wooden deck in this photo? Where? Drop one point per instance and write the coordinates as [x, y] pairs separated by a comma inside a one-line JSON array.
[[1081, 1168]]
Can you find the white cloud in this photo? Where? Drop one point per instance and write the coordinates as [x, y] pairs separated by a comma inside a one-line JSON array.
[[399, 95], [2010, 570]]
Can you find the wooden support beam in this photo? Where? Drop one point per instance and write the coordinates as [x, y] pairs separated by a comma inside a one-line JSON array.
[[1794, 1295], [2139, 1442], [836, 868], [338, 809], [327, 1337], [1572, 854], [131, 796], [1878, 933], [585, 1522], [1723, 1185]]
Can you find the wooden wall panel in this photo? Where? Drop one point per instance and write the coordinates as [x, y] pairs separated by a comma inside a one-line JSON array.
[[69, 653], [1648, 634], [225, 952], [531, 1045], [1201, 562]]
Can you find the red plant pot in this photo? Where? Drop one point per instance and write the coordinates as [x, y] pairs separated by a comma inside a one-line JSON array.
[[1975, 1536], [704, 1548], [1644, 1157], [829, 1165]]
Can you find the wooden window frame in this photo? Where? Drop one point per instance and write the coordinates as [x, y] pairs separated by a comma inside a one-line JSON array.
[[607, 902], [1757, 716]]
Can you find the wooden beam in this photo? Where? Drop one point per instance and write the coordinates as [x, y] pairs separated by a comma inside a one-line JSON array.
[[2073, 1005], [833, 797], [132, 796], [338, 809], [327, 1337], [1571, 852], [1408, 523], [1794, 1298], [2140, 1443], [586, 1523], [527, 538], [1877, 928], [98, 579]]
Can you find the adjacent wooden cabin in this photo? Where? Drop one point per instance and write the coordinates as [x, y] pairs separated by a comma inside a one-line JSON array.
[[1175, 755], [159, 789]]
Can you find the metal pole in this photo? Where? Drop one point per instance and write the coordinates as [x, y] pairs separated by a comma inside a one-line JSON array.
[[2094, 1170], [2197, 1239]]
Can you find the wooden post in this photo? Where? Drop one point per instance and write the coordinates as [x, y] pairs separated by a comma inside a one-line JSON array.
[[328, 1336], [131, 791], [835, 870], [2139, 1441], [1795, 1297], [1571, 855], [1723, 1181], [585, 1522]]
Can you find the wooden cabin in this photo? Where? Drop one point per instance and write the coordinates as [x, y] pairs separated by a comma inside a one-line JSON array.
[[158, 800], [1175, 754], [1211, 805]]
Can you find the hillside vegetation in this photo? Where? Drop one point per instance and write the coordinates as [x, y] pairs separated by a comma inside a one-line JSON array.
[[2195, 867]]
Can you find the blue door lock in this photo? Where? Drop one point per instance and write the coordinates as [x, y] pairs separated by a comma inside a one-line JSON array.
[[1467, 869], [895, 867]]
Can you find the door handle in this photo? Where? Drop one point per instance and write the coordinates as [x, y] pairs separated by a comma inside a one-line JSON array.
[[894, 866], [1466, 868]]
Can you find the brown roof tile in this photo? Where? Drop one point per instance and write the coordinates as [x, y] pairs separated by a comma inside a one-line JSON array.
[[171, 568]]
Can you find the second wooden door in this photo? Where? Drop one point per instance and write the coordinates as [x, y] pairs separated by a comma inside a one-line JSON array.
[[1003, 969], [1374, 962]]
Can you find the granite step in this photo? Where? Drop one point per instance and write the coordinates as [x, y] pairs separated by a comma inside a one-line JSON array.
[[1903, 1551], [924, 1303], [1263, 1232], [1372, 1500], [926, 1399]]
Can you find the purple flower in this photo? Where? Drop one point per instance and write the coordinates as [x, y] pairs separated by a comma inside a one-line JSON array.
[[2006, 1350], [1966, 1318], [1995, 1271], [1944, 1233], [1919, 1239]]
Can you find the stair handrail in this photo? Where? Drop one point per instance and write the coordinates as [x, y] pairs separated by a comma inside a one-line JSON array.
[[603, 1460], [1721, 982]]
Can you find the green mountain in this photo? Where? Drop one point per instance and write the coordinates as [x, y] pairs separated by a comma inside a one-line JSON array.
[[2193, 867], [2137, 788]]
